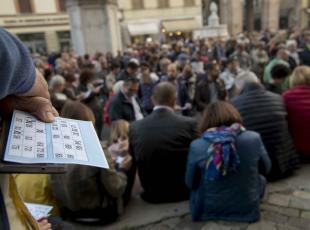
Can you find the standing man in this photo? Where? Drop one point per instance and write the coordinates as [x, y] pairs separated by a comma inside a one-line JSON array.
[[159, 144], [125, 104], [210, 87]]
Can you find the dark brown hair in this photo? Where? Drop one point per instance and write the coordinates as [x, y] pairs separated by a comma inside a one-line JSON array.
[[218, 114], [77, 110], [86, 76]]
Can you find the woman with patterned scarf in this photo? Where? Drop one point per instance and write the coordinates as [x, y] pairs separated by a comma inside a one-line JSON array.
[[224, 166]]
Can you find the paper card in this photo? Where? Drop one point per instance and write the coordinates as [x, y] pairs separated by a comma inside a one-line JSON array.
[[38, 211], [65, 141]]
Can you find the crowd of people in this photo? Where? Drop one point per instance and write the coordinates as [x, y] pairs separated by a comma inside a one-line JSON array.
[[208, 120]]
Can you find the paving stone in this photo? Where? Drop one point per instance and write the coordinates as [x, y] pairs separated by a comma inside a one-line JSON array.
[[172, 223], [281, 210], [299, 203], [279, 199], [262, 225], [274, 217], [305, 214], [186, 222], [286, 227], [302, 194], [156, 227], [299, 222], [218, 226]]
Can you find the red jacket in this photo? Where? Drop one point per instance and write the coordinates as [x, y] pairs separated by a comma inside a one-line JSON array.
[[297, 101]]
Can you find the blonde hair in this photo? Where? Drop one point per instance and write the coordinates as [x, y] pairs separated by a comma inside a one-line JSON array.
[[119, 129], [300, 76]]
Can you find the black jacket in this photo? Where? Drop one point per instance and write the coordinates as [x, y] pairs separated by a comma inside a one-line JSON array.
[[203, 95], [264, 112], [121, 108], [159, 144], [304, 56]]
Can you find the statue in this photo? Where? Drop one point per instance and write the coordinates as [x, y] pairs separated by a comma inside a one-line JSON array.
[[213, 19]]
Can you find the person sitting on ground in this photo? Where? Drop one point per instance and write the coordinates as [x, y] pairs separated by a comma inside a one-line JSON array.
[[22, 88], [265, 113], [119, 151], [223, 168], [159, 144], [86, 193], [297, 102]]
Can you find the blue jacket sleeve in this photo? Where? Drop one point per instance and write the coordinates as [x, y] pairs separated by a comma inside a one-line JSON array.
[[264, 157], [17, 71], [193, 171]]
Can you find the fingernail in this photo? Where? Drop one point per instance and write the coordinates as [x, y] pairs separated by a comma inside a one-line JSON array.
[[50, 116]]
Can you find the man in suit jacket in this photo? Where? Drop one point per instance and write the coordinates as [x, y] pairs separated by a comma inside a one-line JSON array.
[[159, 143], [125, 104]]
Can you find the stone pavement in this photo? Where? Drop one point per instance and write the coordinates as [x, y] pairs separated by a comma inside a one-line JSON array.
[[286, 206]]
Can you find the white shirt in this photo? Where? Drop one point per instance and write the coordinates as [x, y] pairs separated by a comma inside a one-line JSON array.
[[162, 107], [136, 108]]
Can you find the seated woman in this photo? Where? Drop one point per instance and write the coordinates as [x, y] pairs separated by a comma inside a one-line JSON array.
[[85, 193], [297, 102], [119, 150], [223, 168]]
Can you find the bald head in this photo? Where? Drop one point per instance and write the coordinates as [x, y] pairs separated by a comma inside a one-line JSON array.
[[164, 94]]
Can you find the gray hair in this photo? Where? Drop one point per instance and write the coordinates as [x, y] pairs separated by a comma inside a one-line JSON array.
[[56, 80], [245, 77]]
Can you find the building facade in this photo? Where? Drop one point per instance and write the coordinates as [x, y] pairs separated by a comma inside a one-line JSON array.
[[43, 25], [159, 19]]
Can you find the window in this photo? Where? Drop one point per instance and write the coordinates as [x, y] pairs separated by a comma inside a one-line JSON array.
[[61, 5], [34, 41], [189, 2], [25, 6], [163, 3], [64, 39], [137, 4]]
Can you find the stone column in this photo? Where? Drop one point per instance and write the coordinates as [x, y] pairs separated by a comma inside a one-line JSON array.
[[270, 14], [304, 14], [94, 26], [51, 39], [231, 13]]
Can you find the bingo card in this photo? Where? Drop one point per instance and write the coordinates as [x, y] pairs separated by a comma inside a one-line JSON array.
[[65, 141]]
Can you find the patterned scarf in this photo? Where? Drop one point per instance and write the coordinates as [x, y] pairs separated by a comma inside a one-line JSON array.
[[222, 155]]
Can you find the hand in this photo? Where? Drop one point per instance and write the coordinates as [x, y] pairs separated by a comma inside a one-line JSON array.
[[39, 89], [187, 106], [44, 224], [37, 106], [177, 108], [114, 150], [123, 147], [81, 96], [126, 163]]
